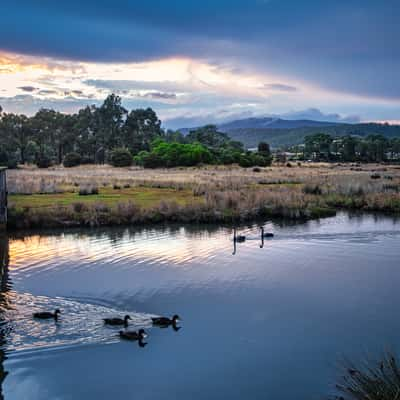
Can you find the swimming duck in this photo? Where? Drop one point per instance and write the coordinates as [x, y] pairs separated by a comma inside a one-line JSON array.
[[133, 335], [164, 321], [47, 314], [238, 238], [266, 234], [117, 321]]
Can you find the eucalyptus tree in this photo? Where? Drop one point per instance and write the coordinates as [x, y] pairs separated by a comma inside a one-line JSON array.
[[141, 128]]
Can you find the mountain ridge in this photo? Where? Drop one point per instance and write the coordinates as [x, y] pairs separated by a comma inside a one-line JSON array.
[[280, 132]]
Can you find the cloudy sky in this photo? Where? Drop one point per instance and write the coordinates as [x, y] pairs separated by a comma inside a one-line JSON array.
[[204, 61]]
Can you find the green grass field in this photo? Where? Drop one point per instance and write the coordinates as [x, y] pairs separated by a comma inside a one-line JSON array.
[[142, 196]]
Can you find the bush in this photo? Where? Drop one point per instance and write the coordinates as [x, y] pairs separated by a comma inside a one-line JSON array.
[[373, 379], [121, 158], [164, 154], [148, 160], [86, 191], [8, 160], [71, 160], [312, 189], [245, 161], [86, 160], [43, 162], [78, 207]]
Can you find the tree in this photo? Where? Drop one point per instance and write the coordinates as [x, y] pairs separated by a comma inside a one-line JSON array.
[[16, 132], [85, 128], [208, 136], [317, 146], [348, 150], [263, 148], [141, 127], [110, 121]]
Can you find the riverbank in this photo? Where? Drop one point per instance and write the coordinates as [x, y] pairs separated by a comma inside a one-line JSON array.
[[102, 196]]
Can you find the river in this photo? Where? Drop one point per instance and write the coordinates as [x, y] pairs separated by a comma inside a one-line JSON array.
[[266, 320]]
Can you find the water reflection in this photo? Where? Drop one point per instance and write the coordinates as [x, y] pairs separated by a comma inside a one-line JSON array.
[[4, 287], [252, 321]]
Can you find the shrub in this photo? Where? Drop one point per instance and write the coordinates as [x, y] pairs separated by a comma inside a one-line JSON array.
[[43, 162], [164, 154], [86, 160], [121, 158], [256, 169], [372, 380], [71, 160], [78, 207], [312, 189], [148, 160], [8, 160], [245, 161], [86, 191]]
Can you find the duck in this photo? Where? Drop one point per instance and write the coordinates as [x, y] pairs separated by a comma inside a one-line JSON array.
[[164, 321], [47, 314], [238, 238], [117, 321], [133, 335], [266, 234]]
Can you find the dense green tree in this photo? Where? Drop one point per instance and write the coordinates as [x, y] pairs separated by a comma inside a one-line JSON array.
[[318, 146], [142, 126], [348, 148], [209, 137], [110, 121], [15, 134], [373, 148]]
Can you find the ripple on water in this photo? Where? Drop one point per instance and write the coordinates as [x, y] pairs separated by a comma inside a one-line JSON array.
[[79, 323]]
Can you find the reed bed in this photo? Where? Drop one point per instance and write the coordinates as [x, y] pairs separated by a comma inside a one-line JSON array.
[[216, 193], [372, 380]]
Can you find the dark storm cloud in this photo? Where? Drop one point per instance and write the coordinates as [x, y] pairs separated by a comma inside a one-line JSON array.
[[161, 96], [45, 92], [344, 45], [121, 85], [280, 87], [28, 89]]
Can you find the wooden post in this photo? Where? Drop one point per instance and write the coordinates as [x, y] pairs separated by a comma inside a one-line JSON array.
[[3, 198]]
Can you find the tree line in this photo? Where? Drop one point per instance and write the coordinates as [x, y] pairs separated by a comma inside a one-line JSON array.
[[372, 148], [110, 134]]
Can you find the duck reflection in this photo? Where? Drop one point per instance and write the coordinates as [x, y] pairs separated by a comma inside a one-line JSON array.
[[134, 336], [241, 238], [165, 322], [4, 288]]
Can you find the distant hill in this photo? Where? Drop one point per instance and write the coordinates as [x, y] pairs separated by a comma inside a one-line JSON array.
[[281, 132], [271, 123], [239, 126], [280, 137]]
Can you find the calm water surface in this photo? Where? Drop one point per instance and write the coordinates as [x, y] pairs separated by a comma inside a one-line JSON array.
[[263, 323]]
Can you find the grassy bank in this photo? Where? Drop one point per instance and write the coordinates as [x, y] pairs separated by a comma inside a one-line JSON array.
[[96, 196], [371, 380]]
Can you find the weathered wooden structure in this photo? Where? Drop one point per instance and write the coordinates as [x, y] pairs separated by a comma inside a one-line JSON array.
[[3, 198]]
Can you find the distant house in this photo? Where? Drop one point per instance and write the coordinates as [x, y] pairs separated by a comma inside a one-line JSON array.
[[3, 198]]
